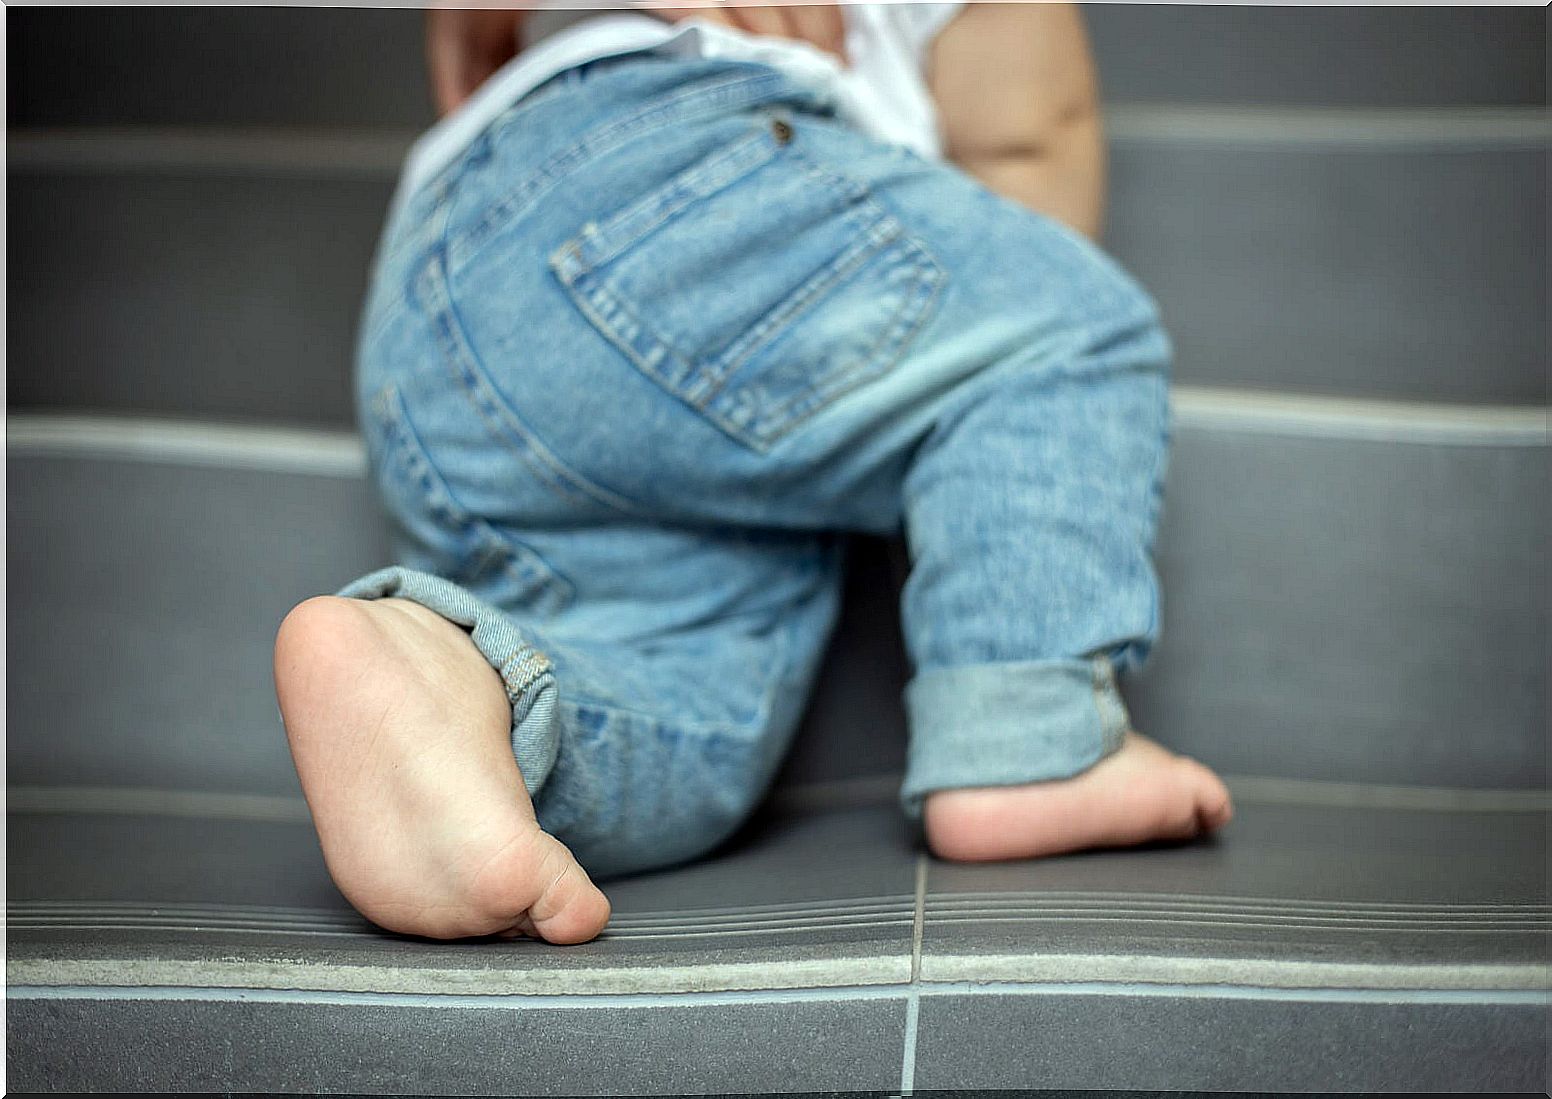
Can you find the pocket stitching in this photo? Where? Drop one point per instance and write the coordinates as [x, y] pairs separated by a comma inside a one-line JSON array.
[[501, 419], [675, 108], [700, 383], [701, 181], [809, 293], [880, 359]]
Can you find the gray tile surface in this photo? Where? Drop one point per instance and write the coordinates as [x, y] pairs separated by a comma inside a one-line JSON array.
[[365, 67], [144, 603], [1339, 610], [584, 1049], [234, 297], [1164, 1042], [855, 726], [1353, 56], [1416, 274], [1357, 611], [112, 899], [1372, 272], [1285, 896], [180, 576], [217, 66]]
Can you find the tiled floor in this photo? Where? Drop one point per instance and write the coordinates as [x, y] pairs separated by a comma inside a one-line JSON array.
[[155, 951]]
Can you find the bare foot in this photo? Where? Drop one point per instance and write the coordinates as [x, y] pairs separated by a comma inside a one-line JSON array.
[[1140, 793], [400, 732]]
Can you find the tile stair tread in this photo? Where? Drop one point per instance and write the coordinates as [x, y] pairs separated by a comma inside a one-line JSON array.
[[1343, 898]]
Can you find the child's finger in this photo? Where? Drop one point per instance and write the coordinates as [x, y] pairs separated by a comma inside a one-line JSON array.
[[464, 47], [821, 24], [761, 19]]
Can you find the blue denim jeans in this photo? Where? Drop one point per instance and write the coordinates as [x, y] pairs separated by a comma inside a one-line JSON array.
[[637, 361]]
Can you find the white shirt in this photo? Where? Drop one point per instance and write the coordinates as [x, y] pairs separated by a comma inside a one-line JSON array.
[[882, 91]]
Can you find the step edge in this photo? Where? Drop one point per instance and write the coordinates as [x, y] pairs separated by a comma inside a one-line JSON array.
[[340, 453], [378, 152]]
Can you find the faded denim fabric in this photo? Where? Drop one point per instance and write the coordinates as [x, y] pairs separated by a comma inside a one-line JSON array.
[[633, 364]]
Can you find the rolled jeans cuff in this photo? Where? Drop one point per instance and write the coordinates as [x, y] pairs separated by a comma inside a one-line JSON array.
[[1007, 724], [526, 673]]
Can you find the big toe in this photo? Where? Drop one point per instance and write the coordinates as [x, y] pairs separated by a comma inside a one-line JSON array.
[[1214, 807], [551, 897]]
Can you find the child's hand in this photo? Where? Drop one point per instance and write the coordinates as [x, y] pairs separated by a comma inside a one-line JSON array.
[[464, 47], [819, 25]]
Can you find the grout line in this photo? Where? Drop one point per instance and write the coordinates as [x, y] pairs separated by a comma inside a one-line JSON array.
[[919, 918], [913, 995]]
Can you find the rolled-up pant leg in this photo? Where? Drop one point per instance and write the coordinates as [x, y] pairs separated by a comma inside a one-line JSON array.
[[1023, 435]]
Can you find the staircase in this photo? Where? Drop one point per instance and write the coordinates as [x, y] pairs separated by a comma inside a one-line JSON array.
[[1344, 215]]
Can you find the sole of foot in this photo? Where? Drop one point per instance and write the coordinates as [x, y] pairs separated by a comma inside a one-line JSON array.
[[400, 730], [1140, 794]]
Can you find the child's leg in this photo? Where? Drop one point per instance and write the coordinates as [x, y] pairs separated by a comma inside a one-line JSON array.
[[1030, 507], [422, 718], [622, 671], [1030, 513], [1019, 427], [628, 687]]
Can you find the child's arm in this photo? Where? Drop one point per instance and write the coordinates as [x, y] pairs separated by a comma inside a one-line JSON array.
[[1018, 101], [464, 46]]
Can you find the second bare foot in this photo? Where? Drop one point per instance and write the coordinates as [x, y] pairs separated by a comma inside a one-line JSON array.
[[1143, 792]]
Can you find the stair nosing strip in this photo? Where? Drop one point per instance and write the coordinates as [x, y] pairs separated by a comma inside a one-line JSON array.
[[379, 152], [340, 453], [1045, 969], [513, 979]]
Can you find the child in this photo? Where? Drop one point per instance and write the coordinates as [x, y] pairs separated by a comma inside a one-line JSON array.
[[655, 319]]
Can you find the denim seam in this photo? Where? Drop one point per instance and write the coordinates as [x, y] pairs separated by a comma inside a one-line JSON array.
[[605, 309], [882, 357], [396, 430], [870, 241], [626, 228], [518, 561], [1112, 716], [532, 665], [703, 729], [505, 424], [606, 139], [759, 719], [700, 386]]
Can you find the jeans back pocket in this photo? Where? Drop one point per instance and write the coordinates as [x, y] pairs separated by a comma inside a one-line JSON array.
[[755, 285]]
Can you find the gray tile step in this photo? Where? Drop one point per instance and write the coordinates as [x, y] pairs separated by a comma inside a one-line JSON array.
[[1356, 56], [1351, 596], [365, 67], [206, 295], [1423, 929], [1352, 269], [192, 288], [217, 66]]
